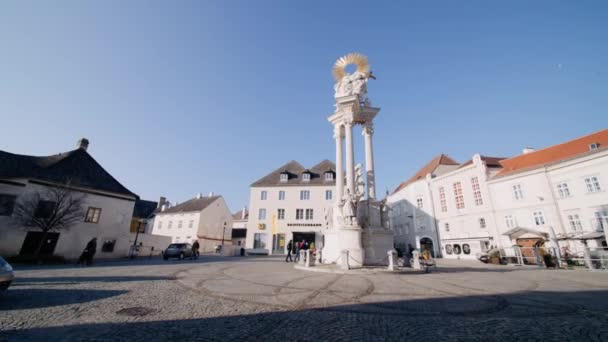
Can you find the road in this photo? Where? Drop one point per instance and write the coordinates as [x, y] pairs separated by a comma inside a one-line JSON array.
[[265, 299]]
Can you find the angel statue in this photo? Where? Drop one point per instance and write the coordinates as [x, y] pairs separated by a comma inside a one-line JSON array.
[[359, 185]]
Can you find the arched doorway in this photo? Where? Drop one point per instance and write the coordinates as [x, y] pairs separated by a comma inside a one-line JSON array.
[[427, 243]]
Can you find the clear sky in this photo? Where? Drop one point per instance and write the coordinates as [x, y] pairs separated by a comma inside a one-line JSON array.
[[181, 97]]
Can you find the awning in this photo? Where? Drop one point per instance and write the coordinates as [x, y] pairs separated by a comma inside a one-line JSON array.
[[591, 236], [517, 232]]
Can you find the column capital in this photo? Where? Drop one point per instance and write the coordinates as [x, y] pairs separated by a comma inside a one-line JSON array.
[[349, 122], [368, 128]]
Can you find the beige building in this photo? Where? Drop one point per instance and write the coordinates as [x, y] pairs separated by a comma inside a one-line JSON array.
[[203, 218], [239, 227], [290, 203]]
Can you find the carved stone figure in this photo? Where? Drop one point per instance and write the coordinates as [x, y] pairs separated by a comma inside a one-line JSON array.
[[355, 83], [359, 184], [349, 209]]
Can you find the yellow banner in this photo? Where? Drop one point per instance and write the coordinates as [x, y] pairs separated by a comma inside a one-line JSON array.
[[274, 224]]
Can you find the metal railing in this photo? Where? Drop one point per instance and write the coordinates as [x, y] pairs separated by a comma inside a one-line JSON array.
[[592, 258]]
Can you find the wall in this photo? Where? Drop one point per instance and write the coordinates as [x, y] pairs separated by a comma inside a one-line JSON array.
[[213, 219], [113, 224], [186, 233]]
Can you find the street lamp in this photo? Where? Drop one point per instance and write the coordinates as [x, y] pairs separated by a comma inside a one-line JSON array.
[[224, 233]]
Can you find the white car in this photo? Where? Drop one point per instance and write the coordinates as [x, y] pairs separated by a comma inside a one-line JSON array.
[[6, 275]]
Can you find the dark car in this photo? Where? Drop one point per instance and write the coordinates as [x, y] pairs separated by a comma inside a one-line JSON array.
[[6, 275], [178, 250]]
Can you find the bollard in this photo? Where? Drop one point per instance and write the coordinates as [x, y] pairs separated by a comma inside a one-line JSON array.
[[344, 260], [416, 260], [307, 262], [302, 257], [392, 256], [588, 259]]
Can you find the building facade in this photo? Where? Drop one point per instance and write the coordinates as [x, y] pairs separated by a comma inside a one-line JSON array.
[[290, 203], [239, 227], [203, 218], [107, 210]]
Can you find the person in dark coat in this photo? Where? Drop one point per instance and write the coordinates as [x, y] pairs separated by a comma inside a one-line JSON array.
[[195, 248], [289, 248], [88, 253], [296, 247]]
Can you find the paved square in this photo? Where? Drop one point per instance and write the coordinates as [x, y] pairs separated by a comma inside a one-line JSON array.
[[265, 299]]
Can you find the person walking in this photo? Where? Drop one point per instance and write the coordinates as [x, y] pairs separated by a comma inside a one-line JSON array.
[[88, 253], [296, 247], [195, 248], [289, 247]]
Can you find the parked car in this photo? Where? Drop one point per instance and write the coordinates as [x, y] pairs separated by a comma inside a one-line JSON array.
[[491, 256], [6, 275], [178, 250]]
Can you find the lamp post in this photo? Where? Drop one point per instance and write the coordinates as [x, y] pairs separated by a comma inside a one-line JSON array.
[[140, 223], [224, 233]]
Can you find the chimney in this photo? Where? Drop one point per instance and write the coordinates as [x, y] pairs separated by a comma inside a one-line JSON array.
[[244, 213], [528, 150], [211, 194], [161, 201], [83, 144], [199, 195], [163, 207]]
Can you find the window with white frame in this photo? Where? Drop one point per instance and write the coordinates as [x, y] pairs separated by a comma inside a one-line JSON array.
[[263, 195], [517, 193], [280, 214], [170, 224], [510, 221], [191, 224], [593, 184], [160, 224], [281, 195], [261, 214], [329, 176], [92, 215], [306, 177], [447, 227], [299, 214], [419, 203], [482, 222], [476, 191], [309, 215], [284, 177], [179, 224], [304, 195], [458, 195], [328, 195], [601, 218], [539, 218], [563, 190], [442, 201], [575, 222]]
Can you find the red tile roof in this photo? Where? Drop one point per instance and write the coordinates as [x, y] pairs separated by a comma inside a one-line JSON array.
[[552, 154], [441, 159]]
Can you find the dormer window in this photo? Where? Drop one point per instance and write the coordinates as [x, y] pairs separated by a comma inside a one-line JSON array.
[[306, 176], [593, 146], [329, 176], [284, 177]]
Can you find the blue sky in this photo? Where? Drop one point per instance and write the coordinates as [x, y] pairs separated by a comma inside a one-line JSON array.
[[181, 97]]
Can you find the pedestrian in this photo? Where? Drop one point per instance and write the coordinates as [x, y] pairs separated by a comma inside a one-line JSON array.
[[296, 247], [289, 247], [88, 253], [195, 247]]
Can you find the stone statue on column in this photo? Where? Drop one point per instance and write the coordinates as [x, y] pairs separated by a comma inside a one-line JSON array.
[[349, 209]]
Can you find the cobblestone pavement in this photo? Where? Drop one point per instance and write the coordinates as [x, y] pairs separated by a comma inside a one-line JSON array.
[[265, 299]]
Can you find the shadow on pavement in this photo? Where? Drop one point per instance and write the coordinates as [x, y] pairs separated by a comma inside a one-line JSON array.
[[19, 299], [525, 316], [22, 281]]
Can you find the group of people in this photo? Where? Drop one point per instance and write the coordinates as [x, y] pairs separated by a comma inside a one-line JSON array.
[[295, 248]]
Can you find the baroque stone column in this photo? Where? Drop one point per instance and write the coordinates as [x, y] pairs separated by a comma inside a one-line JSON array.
[[350, 156], [368, 131], [339, 160]]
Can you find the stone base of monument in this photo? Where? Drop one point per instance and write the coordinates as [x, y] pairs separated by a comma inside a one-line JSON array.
[[376, 243]]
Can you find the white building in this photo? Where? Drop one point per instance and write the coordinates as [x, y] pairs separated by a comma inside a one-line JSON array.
[[108, 205], [463, 210], [206, 219], [558, 190], [412, 212], [290, 203]]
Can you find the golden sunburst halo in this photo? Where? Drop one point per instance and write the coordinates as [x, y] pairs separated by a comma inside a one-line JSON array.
[[355, 58]]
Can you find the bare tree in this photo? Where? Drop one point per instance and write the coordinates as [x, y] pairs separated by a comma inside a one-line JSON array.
[[50, 210]]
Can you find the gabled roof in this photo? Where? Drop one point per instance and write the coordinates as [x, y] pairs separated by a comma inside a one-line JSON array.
[[553, 154], [192, 205], [430, 167], [295, 170], [239, 215], [144, 209], [490, 161], [76, 167]]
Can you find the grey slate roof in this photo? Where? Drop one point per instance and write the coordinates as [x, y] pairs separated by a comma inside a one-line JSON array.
[[239, 215], [144, 209], [76, 167], [195, 204], [295, 170]]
